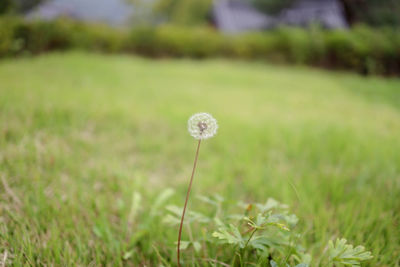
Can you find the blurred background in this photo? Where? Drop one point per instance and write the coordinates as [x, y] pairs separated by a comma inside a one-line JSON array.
[[359, 35], [94, 101]]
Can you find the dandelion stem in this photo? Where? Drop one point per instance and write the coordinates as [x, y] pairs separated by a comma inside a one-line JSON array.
[[186, 201]]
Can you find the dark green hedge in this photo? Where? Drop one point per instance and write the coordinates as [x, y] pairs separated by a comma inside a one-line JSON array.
[[362, 49]]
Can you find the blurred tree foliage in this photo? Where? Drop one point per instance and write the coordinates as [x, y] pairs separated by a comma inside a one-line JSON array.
[[17, 6], [180, 12], [6, 6], [362, 48], [184, 12], [272, 6], [373, 12]]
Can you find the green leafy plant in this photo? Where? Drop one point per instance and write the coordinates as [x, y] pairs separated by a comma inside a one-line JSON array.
[[347, 255], [260, 234], [263, 232]]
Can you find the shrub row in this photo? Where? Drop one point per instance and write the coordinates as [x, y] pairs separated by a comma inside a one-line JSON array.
[[362, 49]]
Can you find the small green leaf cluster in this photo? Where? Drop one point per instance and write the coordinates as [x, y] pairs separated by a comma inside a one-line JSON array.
[[262, 233], [256, 234], [347, 255]]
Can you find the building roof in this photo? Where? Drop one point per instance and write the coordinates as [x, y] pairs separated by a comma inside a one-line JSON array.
[[114, 12], [328, 13], [232, 16]]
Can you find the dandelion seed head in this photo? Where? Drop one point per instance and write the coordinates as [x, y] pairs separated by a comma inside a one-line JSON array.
[[202, 126]]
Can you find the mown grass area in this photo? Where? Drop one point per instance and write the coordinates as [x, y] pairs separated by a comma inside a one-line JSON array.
[[81, 133]]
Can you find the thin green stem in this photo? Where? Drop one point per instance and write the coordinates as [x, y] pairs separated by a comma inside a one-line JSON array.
[[244, 248], [248, 240], [186, 201]]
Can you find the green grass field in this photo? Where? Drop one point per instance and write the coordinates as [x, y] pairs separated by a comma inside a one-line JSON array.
[[81, 133]]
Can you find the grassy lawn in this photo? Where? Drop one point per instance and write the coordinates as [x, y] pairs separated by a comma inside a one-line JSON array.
[[81, 133]]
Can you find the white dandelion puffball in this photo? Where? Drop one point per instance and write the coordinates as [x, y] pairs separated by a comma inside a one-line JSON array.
[[202, 126]]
